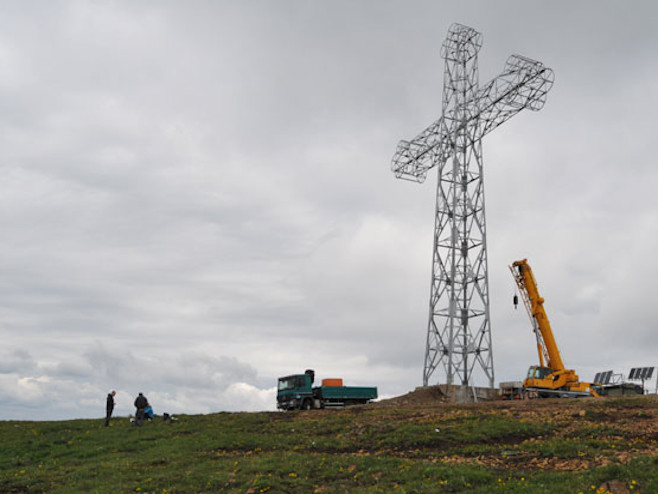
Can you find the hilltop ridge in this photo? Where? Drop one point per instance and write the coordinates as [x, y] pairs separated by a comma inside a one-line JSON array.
[[414, 443]]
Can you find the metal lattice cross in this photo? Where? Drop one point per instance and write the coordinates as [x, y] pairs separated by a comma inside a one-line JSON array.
[[459, 333]]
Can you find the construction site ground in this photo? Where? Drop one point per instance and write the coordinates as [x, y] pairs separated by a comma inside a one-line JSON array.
[[581, 434], [415, 443]]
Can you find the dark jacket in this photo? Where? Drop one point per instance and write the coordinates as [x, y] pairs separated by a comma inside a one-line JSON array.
[[141, 402], [110, 402]]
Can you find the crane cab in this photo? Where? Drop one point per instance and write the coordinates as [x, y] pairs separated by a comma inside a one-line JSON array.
[[538, 372], [539, 376]]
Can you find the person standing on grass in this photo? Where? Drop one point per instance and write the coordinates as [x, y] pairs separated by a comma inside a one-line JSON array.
[[109, 407], [140, 404]]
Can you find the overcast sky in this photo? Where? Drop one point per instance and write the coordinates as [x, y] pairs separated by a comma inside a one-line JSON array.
[[196, 197]]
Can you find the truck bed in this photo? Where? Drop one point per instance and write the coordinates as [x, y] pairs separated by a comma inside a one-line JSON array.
[[347, 392]]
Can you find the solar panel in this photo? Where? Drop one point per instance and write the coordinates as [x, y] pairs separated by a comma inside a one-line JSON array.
[[641, 373], [603, 377]]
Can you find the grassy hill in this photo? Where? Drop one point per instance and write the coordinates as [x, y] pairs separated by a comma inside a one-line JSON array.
[[545, 446]]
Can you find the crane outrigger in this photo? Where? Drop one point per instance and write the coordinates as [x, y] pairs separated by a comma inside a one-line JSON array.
[[550, 378]]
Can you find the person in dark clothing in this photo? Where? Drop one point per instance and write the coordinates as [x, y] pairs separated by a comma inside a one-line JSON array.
[[109, 407], [140, 404]]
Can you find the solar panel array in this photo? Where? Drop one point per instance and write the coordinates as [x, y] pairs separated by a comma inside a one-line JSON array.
[[603, 377], [641, 373]]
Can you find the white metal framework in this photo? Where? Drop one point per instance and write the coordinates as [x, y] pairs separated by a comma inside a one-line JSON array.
[[459, 332]]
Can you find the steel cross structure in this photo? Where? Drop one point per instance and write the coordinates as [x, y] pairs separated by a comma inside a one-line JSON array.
[[459, 332]]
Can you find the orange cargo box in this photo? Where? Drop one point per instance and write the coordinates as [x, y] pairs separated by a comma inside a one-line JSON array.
[[332, 382]]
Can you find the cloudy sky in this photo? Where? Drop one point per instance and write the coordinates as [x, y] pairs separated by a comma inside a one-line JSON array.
[[196, 197]]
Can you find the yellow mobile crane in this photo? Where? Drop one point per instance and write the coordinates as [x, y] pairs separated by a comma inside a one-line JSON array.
[[550, 377]]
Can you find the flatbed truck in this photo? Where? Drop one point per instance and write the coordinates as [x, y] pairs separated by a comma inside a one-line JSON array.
[[297, 392]]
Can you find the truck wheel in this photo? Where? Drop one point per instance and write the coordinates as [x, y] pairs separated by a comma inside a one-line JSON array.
[[307, 405]]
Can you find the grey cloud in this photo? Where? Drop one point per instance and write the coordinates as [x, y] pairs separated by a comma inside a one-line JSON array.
[[197, 200], [17, 361], [190, 382]]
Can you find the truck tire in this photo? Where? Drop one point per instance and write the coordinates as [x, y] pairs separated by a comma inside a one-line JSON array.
[[307, 404]]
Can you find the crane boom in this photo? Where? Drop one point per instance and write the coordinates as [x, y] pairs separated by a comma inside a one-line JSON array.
[[550, 377], [549, 354]]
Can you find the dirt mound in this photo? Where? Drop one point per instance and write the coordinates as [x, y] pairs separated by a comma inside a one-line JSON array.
[[421, 396], [437, 395]]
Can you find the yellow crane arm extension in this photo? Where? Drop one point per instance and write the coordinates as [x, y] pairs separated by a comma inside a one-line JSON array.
[[534, 303]]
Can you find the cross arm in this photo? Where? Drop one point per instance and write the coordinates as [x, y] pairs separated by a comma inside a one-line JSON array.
[[413, 159], [523, 84]]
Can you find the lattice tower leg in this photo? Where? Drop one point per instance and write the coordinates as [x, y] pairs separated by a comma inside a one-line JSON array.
[[459, 334]]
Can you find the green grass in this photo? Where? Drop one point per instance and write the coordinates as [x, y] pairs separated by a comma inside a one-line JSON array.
[[358, 450]]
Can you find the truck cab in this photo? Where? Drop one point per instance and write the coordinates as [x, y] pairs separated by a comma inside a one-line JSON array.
[[295, 391]]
